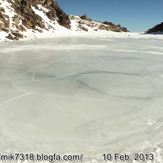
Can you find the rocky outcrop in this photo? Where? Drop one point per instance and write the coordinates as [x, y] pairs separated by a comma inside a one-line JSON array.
[[116, 28], [87, 24], [64, 19], [109, 26], [15, 35], [85, 17], [31, 19], [26, 16], [156, 29], [4, 20], [19, 17], [80, 26]]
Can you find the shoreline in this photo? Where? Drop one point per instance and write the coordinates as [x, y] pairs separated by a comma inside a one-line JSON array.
[[68, 33]]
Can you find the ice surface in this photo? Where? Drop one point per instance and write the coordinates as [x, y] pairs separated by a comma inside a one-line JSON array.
[[82, 94]]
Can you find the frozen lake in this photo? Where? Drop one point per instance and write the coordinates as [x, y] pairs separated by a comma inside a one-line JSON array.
[[82, 95]]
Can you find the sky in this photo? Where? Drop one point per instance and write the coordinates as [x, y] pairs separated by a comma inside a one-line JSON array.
[[136, 15]]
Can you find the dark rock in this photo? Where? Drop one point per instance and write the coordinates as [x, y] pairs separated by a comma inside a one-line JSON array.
[[17, 35], [27, 24], [83, 28], [102, 27], [10, 37], [65, 21], [85, 17], [124, 29], [1, 26], [14, 35], [2, 9], [20, 28], [157, 28], [109, 26], [16, 19], [108, 23]]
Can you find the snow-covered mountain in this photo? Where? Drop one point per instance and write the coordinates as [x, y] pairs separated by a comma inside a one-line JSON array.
[[156, 29], [86, 24], [23, 18]]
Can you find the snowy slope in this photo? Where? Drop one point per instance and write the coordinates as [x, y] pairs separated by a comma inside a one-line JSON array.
[[29, 19], [84, 23]]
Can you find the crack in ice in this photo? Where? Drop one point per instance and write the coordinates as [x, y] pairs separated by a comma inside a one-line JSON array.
[[15, 98], [15, 86], [55, 61]]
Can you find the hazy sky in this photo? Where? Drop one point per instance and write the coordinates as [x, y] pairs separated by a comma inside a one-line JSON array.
[[136, 15]]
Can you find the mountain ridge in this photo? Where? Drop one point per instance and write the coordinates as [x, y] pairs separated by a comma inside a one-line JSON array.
[[19, 17], [156, 29]]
